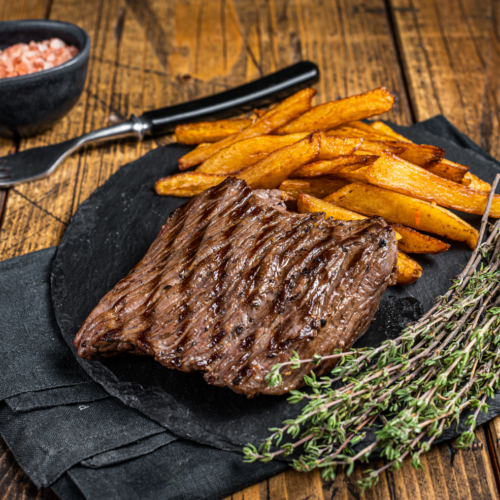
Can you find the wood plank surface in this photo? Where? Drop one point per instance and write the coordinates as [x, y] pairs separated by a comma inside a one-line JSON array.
[[451, 54], [151, 53]]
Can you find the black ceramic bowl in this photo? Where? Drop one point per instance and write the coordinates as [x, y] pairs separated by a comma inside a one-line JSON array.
[[32, 103]]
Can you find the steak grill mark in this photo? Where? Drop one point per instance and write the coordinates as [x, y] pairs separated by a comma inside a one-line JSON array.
[[234, 283]]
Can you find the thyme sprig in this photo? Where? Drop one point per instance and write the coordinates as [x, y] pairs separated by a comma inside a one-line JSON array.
[[408, 390]]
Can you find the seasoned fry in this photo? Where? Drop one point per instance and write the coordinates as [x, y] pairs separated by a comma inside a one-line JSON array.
[[332, 147], [448, 170], [280, 115], [352, 173], [377, 147], [403, 209], [310, 204], [244, 153], [423, 155], [353, 132], [187, 184], [268, 173], [335, 113], [409, 271], [271, 171], [476, 183], [365, 127], [316, 186], [401, 176], [414, 242], [384, 129], [194, 133], [326, 167]]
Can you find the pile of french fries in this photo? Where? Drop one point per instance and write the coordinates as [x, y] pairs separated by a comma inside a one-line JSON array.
[[324, 159]]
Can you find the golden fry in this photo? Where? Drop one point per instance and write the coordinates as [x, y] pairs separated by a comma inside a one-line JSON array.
[[326, 167], [476, 183], [332, 147], [414, 242], [187, 184], [352, 173], [310, 204], [406, 210], [398, 175], [271, 171], [280, 115], [384, 129], [354, 132], [315, 186], [365, 127], [194, 133], [335, 113], [423, 155], [449, 170], [409, 271], [377, 147], [242, 154]]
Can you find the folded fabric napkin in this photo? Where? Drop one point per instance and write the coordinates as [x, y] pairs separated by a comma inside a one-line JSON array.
[[68, 433]]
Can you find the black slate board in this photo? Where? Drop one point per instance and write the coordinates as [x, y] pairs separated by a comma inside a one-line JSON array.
[[110, 233]]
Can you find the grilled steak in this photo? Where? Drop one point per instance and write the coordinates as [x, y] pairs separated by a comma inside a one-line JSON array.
[[234, 283]]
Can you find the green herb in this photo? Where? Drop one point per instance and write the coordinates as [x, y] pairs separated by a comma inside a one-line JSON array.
[[409, 390]]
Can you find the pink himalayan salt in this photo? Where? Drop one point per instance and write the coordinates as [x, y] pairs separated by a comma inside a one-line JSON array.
[[23, 58]]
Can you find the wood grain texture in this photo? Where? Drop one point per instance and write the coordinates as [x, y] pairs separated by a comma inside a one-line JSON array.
[[151, 53], [451, 54]]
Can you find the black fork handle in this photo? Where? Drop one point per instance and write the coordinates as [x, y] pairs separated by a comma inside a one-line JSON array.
[[260, 92]]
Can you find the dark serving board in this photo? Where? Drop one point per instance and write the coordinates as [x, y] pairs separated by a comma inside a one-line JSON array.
[[110, 233]]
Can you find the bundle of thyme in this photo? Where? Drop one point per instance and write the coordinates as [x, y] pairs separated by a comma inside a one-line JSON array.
[[409, 390]]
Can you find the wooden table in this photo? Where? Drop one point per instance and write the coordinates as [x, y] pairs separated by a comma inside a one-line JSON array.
[[437, 56]]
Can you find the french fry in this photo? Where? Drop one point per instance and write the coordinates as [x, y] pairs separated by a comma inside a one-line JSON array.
[[366, 127], [423, 155], [414, 242], [377, 147], [271, 171], [448, 170], [352, 173], [315, 186], [194, 133], [327, 167], [476, 183], [353, 132], [384, 129], [401, 176], [187, 184], [335, 113], [332, 147], [406, 210], [242, 154], [310, 204], [280, 115], [409, 271]]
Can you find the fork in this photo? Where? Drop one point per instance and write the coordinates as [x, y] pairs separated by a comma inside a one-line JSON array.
[[37, 163]]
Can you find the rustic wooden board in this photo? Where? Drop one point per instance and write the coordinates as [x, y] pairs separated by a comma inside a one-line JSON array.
[[147, 54]]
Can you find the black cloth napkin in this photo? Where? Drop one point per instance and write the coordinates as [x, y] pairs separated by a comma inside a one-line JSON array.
[[67, 432]]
